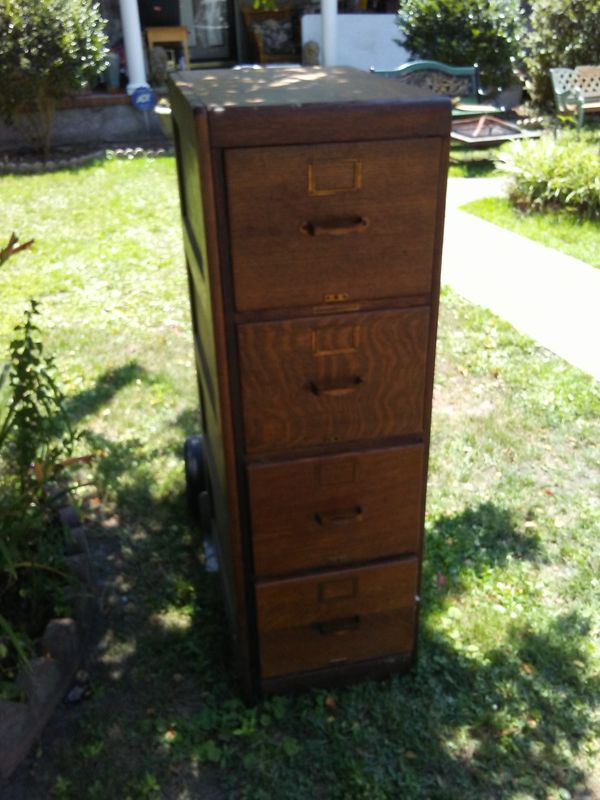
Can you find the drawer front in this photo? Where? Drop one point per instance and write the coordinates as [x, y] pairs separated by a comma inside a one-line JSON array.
[[335, 617], [347, 377], [350, 221], [333, 510]]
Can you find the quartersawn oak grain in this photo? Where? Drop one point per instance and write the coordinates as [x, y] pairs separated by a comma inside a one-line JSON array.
[[334, 510], [335, 617], [368, 383], [278, 263], [321, 363]]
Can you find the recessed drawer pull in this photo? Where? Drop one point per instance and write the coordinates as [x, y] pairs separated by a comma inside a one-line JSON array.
[[340, 517], [335, 227], [336, 390], [338, 626]]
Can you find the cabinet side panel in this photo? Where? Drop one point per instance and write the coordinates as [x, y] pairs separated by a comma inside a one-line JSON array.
[[202, 261], [229, 533]]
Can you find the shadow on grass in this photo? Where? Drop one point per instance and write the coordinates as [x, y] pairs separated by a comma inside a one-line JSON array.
[[508, 722], [496, 725], [474, 540], [102, 392]]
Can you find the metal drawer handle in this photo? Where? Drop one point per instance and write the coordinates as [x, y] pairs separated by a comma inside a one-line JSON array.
[[335, 228], [337, 389], [338, 626], [341, 517]]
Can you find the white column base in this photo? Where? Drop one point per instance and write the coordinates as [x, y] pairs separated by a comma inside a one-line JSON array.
[[134, 46], [329, 32]]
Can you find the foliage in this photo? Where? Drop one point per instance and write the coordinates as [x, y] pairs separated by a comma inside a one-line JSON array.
[[265, 5], [32, 575], [48, 48], [562, 33], [464, 32], [35, 437], [35, 432], [561, 172]]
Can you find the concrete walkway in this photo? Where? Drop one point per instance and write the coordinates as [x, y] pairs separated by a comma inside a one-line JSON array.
[[551, 297]]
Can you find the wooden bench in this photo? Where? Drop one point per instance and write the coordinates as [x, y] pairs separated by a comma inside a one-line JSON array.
[[576, 90], [459, 83]]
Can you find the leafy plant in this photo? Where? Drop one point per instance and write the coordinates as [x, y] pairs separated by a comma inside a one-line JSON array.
[[48, 48], [35, 439], [464, 32], [562, 33], [265, 5], [555, 173], [35, 430]]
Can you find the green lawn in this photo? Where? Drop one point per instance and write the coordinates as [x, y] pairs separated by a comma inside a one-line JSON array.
[[565, 232], [504, 702]]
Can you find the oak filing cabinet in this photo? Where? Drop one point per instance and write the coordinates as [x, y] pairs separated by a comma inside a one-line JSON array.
[[312, 203]]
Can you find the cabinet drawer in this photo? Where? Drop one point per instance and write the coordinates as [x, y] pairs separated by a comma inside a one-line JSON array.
[[319, 512], [354, 221], [347, 377], [347, 615]]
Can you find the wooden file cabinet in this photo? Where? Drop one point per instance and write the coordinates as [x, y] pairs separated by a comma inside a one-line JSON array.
[[312, 205]]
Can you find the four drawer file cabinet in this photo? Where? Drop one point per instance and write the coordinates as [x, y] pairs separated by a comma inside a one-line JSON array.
[[312, 204]]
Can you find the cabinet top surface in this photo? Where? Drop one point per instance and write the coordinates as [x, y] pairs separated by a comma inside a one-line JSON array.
[[253, 101], [292, 86]]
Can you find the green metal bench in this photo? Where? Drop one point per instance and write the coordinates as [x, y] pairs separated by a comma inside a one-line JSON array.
[[576, 90], [459, 83]]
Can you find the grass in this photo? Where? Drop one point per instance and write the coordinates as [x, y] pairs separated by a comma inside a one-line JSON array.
[[504, 702], [562, 231]]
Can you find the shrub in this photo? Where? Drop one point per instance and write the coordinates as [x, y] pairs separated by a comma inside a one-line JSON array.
[[464, 32], [48, 48], [563, 33], [551, 173]]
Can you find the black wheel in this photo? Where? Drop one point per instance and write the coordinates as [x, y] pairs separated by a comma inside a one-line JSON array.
[[196, 480]]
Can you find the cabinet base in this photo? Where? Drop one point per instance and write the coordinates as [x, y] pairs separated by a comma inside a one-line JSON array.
[[339, 675]]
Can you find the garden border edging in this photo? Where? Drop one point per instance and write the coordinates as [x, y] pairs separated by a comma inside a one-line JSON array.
[[46, 679]]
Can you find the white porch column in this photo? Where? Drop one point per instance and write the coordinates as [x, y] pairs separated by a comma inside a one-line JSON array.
[[329, 32], [134, 47]]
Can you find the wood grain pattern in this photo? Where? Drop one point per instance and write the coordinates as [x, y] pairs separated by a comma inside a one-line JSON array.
[[314, 351], [335, 510], [373, 391], [282, 253], [305, 623]]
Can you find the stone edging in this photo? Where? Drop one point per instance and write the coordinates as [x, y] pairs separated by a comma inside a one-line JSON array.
[[31, 167], [46, 679]]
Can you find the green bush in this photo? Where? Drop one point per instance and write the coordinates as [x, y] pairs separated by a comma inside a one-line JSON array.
[[562, 33], [48, 48], [555, 173], [464, 32]]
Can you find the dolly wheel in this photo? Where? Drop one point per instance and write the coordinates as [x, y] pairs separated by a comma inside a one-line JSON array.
[[195, 473]]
